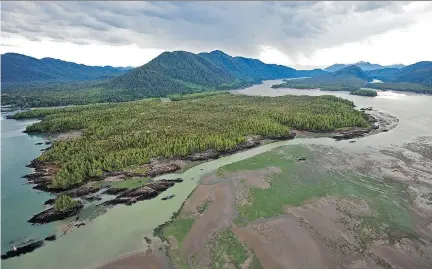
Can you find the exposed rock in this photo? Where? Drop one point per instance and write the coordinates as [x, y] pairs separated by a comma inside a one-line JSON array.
[[168, 197], [114, 191], [28, 247], [82, 191], [206, 155], [92, 198], [50, 201], [51, 214], [79, 224], [162, 169], [51, 237], [146, 192], [350, 134], [375, 125]]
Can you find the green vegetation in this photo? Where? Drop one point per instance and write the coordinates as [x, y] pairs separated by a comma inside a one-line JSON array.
[[401, 86], [177, 229], [179, 97], [299, 182], [64, 203], [228, 250], [177, 72], [121, 135], [325, 83], [365, 92]]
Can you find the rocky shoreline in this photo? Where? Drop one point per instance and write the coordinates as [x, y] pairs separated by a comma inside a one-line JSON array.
[[146, 192], [50, 214]]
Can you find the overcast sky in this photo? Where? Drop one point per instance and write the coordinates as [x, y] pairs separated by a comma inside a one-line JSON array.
[[297, 34]]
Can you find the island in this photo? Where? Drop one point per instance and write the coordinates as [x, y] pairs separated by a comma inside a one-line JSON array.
[[147, 138], [364, 92]]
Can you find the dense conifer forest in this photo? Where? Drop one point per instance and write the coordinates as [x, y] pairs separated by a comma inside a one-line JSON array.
[[365, 92], [120, 135]]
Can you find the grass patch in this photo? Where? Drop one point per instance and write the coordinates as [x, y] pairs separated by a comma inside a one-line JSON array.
[[178, 229], [298, 182], [228, 250], [256, 263]]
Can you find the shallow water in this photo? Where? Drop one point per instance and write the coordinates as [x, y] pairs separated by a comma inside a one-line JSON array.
[[122, 228]]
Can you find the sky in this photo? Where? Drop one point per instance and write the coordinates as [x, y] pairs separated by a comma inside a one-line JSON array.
[[302, 35]]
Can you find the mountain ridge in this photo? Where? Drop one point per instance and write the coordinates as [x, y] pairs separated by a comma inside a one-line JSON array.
[[365, 66], [22, 68]]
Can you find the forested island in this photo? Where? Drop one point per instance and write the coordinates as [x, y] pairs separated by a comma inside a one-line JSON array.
[[364, 92], [123, 136]]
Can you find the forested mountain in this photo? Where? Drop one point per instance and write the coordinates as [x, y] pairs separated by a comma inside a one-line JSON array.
[[174, 72], [365, 66], [21, 68], [253, 69], [351, 71], [181, 72], [420, 73]]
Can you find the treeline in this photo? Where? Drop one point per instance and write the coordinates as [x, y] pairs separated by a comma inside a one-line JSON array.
[[401, 86], [178, 97], [365, 92], [325, 83], [116, 136], [352, 85]]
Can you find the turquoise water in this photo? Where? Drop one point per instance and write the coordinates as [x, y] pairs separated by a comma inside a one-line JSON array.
[[18, 200]]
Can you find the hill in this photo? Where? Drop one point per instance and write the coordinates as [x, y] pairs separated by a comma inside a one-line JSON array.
[[18, 68], [365, 66], [420, 73]]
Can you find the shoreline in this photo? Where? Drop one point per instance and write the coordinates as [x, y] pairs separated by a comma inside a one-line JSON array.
[[210, 155], [128, 257]]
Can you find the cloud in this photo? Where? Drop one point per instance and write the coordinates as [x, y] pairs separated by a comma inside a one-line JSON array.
[[297, 29]]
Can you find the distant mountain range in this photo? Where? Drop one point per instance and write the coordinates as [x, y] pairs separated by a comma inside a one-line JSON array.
[[416, 77], [365, 66], [27, 81], [21, 68]]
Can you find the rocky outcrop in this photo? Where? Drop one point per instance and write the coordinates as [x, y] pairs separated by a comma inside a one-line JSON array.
[[156, 170], [26, 248], [82, 191], [51, 214], [51, 238], [206, 155], [50, 201], [146, 192], [114, 191], [350, 134]]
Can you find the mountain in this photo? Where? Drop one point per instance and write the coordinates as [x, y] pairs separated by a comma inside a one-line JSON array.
[[183, 72], [177, 72], [351, 71], [365, 66], [21, 68], [420, 73]]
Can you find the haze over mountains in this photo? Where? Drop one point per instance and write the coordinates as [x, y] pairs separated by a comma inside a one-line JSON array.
[[365, 66]]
